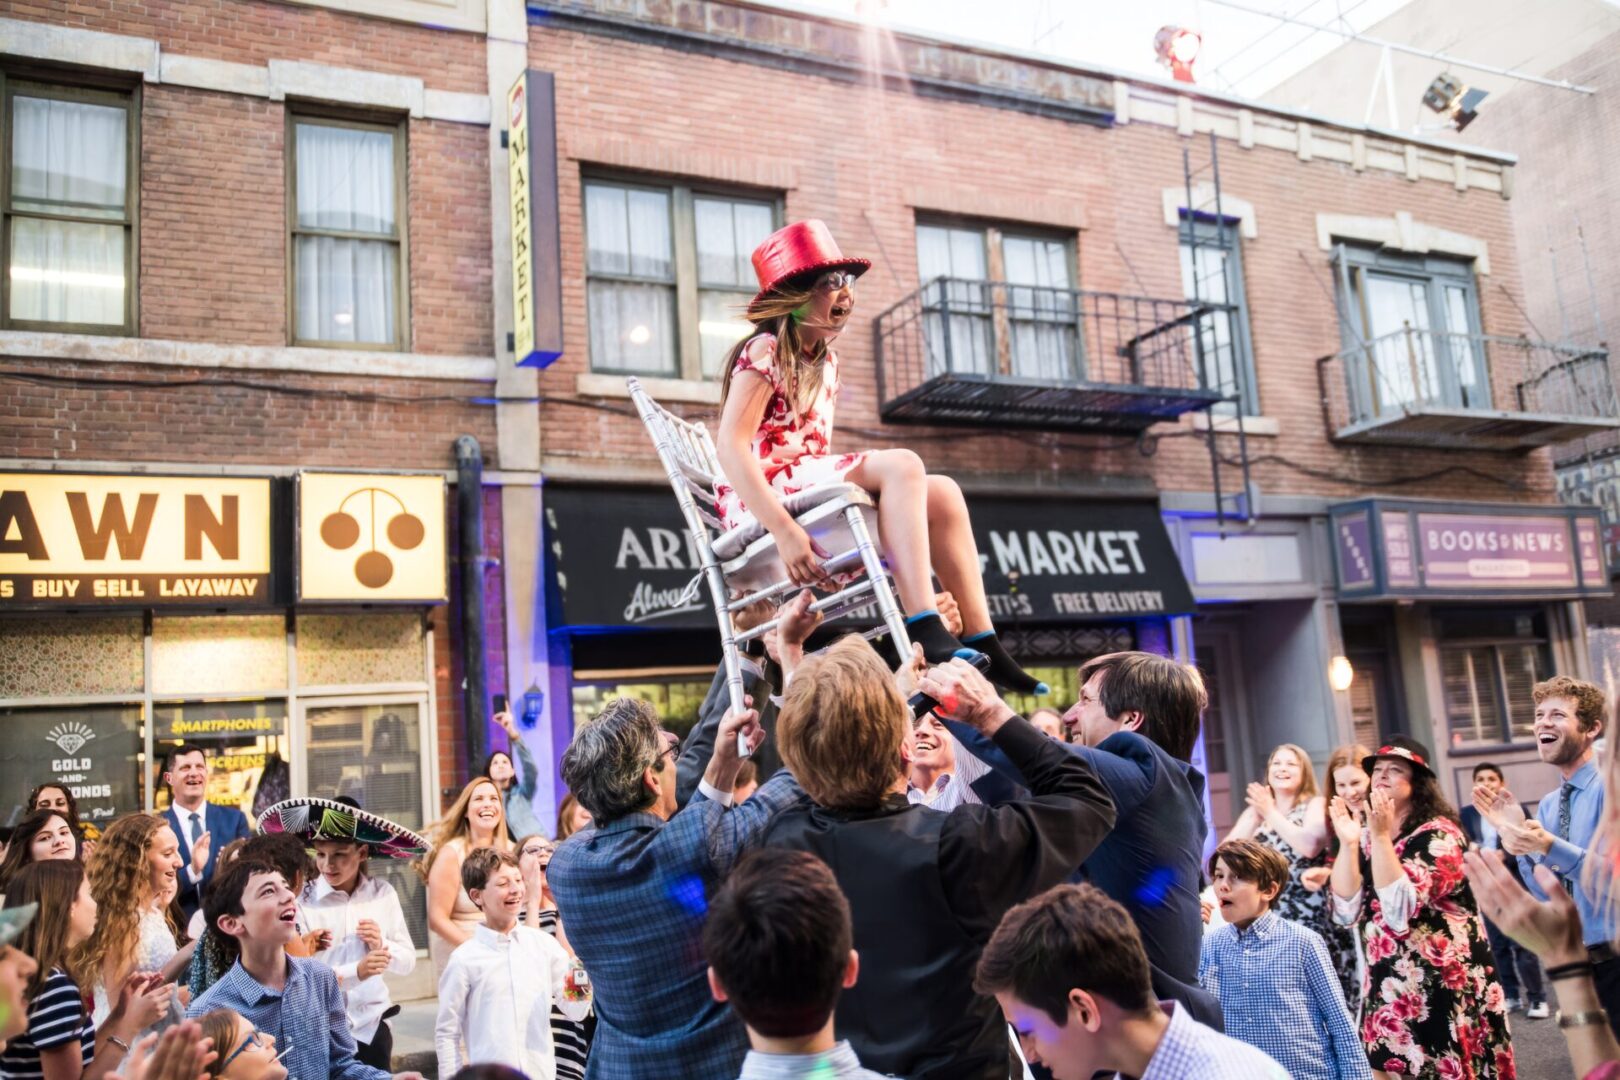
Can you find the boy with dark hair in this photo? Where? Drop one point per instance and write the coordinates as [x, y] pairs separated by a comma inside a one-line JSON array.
[[778, 942], [496, 993], [1276, 983], [295, 997], [1070, 975]]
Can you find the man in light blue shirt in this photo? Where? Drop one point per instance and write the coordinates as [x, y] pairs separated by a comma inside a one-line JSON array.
[[1277, 986], [1570, 717], [779, 944]]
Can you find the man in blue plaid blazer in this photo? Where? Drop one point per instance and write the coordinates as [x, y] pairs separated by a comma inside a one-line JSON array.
[[635, 890]]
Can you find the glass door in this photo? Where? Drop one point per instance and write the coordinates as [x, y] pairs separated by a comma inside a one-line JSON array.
[[370, 750]]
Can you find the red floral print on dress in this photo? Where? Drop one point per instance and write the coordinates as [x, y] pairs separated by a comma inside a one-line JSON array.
[[794, 453]]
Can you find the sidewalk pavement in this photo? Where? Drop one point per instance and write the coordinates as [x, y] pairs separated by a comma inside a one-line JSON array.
[[413, 1037]]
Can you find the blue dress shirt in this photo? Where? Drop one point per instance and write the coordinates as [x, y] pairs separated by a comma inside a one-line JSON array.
[[839, 1063], [306, 1016], [1567, 857], [1279, 992]]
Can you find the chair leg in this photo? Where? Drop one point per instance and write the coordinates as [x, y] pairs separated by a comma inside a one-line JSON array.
[[728, 636], [881, 591]]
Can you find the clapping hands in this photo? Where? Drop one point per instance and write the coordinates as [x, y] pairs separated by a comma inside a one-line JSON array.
[[1346, 822]]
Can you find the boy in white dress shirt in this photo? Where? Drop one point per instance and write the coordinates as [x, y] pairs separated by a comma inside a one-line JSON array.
[[369, 937], [497, 991]]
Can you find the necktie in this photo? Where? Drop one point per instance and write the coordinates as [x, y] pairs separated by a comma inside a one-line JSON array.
[[196, 825], [1566, 795]]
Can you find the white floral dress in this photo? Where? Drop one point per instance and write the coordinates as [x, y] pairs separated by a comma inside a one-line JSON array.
[[795, 452]]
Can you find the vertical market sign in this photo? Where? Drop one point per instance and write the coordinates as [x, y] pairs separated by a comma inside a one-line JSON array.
[[531, 155]]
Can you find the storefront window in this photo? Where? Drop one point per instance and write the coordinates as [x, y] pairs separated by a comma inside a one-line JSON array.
[[246, 743], [373, 754], [677, 698], [94, 749], [1489, 665]]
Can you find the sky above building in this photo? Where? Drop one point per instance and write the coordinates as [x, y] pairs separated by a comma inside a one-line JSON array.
[[1242, 52]]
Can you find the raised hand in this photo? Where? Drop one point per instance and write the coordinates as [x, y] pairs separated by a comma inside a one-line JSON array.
[[1380, 814], [966, 695], [950, 613], [1527, 838], [798, 621], [745, 723], [1551, 930], [1345, 824], [1499, 807], [508, 724], [907, 675], [1259, 796], [199, 852]]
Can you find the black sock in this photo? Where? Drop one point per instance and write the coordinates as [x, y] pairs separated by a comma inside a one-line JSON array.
[[926, 629], [1004, 670]]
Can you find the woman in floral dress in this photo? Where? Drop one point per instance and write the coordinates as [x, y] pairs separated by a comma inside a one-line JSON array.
[[1287, 815], [1433, 1008], [775, 440]]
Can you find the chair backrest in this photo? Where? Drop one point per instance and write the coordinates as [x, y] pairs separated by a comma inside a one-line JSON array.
[[689, 458]]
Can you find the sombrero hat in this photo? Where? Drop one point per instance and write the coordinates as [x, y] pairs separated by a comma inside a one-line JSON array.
[[327, 819]]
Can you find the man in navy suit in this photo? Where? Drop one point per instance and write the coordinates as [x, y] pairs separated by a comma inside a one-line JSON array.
[[1136, 722], [203, 827]]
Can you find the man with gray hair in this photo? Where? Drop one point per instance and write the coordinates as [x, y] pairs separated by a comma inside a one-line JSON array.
[[635, 888]]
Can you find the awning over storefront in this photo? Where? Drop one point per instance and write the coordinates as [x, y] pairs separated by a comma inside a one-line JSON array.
[[621, 557], [1391, 549]]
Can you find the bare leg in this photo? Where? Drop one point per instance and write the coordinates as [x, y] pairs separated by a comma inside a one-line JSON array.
[[900, 482], [956, 553]]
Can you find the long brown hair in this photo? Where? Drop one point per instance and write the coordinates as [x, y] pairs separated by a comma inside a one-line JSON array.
[[220, 1025], [120, 883], [20, 853], [54, 885], [775, 313], [1349, 754], [454, 825]]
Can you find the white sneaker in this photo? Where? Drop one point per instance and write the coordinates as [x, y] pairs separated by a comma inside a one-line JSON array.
[[1512, 1005], [1537, 1011]]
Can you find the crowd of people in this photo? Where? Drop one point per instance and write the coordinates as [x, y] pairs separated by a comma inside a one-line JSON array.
[[833, 881]]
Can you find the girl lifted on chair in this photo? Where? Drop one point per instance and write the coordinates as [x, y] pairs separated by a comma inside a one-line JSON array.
[[776, 423]]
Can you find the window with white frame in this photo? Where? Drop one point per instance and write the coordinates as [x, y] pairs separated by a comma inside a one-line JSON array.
[[669, 272], [998, 301], [347, 195], [69, 207], [1412, 325]]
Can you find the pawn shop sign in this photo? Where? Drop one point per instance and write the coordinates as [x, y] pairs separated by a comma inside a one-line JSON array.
[[531, 149], [371, 537]]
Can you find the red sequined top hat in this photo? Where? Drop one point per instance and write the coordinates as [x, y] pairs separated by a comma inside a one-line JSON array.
[[800, 248], [1400, 748]]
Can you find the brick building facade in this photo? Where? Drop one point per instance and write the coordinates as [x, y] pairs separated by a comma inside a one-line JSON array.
[[1052, 201]]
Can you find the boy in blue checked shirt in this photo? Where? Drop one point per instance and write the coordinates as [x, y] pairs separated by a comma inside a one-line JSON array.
[[1277, 986]]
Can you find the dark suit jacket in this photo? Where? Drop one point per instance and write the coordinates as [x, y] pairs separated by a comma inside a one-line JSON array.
[[699, 744], [927, 888], [1152, 861], [223, 824]]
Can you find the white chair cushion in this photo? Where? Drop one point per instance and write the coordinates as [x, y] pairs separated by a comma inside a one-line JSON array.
[[734, 541]]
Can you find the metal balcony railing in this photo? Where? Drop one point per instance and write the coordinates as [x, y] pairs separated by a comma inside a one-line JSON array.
[[1415, 387], [992, 354]]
